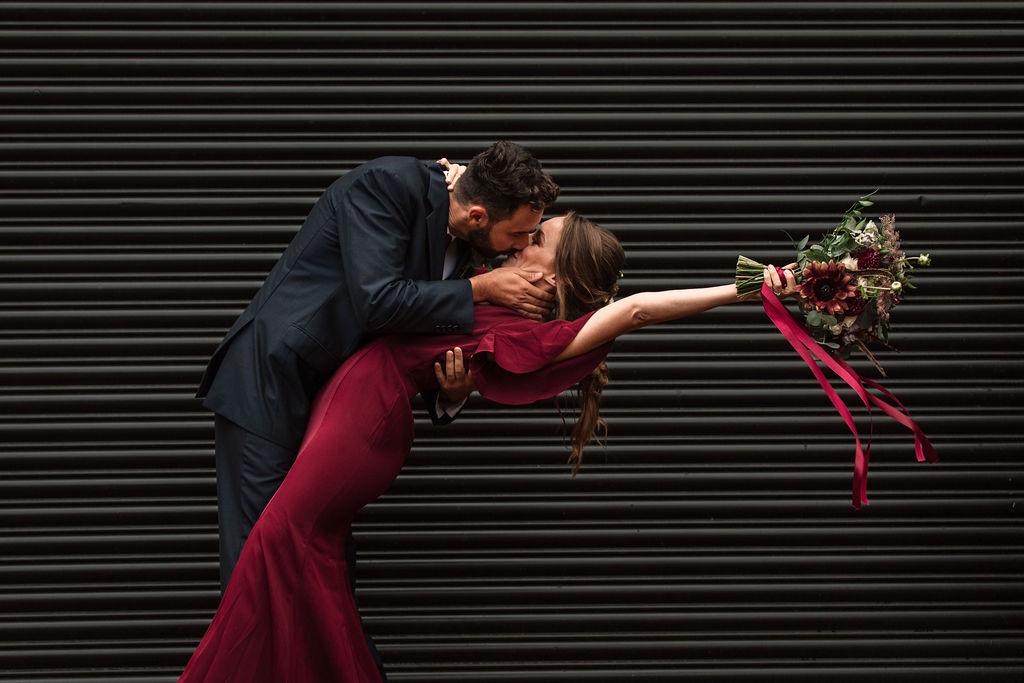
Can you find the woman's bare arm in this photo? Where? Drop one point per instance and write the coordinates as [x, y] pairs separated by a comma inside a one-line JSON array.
[[647, 308], [641, 310]]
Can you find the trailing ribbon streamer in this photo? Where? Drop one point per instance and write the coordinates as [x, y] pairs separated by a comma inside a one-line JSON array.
[[808, 348]]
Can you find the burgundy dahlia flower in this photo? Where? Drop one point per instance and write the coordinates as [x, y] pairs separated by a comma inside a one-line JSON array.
[[855, 304], [827, 286], [869, 259]]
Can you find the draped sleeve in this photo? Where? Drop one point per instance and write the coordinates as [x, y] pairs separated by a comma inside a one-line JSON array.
[[514, 362]]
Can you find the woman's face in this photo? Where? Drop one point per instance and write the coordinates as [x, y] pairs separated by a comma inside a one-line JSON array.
[[539, 254]]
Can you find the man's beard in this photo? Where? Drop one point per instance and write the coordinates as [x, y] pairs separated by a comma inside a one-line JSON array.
[[480, 240]]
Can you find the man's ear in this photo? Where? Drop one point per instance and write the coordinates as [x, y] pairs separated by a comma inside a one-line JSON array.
[[550, 279], [477, 216]]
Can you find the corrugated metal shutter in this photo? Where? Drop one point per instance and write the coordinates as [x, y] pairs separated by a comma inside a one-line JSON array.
[[156, 157]]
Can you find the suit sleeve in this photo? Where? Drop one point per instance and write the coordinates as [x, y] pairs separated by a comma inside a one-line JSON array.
[[375, 217]]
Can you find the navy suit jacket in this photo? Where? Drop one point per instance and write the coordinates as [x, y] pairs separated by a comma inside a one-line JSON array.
[[367, 261]]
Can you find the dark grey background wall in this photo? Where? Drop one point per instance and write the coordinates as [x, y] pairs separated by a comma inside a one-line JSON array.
[[156, 157]]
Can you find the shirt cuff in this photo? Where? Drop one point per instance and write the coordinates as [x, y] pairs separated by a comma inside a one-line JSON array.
[[447, 407]]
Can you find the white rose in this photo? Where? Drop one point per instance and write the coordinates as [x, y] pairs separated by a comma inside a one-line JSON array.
[[850, 263], [865, 239]]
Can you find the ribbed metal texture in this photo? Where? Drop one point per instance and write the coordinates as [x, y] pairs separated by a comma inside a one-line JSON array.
[[156, 157]]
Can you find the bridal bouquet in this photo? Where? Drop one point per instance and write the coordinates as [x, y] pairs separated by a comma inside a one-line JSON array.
[[849, 281]]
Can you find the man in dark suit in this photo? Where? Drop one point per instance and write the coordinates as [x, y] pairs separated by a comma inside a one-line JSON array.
[[370, 259]]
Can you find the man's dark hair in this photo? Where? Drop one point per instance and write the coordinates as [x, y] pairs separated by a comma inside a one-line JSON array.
[[502, 178]]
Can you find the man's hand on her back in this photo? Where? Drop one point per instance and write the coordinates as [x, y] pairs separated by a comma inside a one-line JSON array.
[[455, 381], [525, 292]]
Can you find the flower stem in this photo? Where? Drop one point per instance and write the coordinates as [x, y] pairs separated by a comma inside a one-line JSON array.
[[749, 276]]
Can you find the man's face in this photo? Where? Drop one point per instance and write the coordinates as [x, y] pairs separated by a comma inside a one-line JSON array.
[[503, 237], [539, 255]]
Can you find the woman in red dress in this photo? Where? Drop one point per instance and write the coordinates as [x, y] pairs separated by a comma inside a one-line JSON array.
[[288, 614]]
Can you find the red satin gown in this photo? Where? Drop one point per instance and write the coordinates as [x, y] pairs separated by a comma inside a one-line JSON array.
[[288, 614]]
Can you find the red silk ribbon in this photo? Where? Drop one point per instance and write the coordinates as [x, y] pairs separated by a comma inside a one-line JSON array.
[[808, 348]]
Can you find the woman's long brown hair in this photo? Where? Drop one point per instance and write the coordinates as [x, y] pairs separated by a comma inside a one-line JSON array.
[[588, 263]]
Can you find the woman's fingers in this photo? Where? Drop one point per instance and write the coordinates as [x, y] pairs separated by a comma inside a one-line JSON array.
[[453, 173], [782, 284]]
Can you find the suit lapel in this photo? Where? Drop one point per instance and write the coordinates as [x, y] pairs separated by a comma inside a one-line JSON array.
[[437, 220]]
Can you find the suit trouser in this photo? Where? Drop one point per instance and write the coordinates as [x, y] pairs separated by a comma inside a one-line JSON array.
[[249, 470]]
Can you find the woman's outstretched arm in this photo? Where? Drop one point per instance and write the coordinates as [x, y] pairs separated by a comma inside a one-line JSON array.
[[648, 308]]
